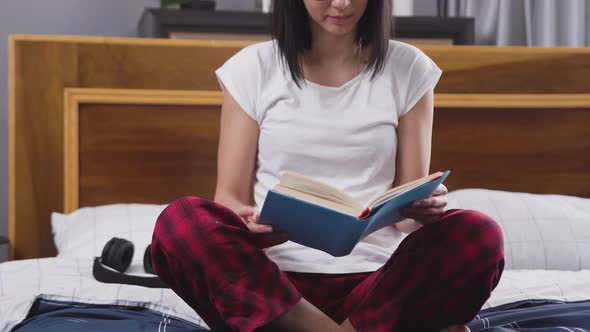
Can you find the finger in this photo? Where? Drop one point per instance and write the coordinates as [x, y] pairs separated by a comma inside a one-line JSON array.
[[440, 190], [271, 239], [259, 228], [245, 211], [418, 203], [423, 211], [255, 216], [252, 219], [437, 202], [421, 215], [431, 217]]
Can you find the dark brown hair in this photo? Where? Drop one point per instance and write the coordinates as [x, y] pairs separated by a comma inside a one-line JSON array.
[[291, 29]]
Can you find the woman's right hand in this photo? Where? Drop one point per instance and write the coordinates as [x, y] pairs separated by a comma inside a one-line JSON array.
[[265, 237], [250, 217]]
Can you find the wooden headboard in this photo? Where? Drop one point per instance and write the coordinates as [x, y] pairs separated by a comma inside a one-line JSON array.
[[108, 120]]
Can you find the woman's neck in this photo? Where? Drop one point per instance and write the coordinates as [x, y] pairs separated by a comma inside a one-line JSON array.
[[336, 50]]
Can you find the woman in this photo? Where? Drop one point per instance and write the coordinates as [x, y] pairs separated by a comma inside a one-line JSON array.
[[331, 97]]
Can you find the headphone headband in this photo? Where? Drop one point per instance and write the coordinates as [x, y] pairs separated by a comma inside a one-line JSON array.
[[117, 255], [106, 275]]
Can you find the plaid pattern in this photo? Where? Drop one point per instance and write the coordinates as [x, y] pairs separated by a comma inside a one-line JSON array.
[[440, 275]]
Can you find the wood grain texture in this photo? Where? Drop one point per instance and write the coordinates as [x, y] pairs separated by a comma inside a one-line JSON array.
[[219, 36], [545, 151], [40, 71], [169, 153], [500, 101], [41, 67], [151, 66], [144, 146], [512, 70], [71, 143], [12, 96]]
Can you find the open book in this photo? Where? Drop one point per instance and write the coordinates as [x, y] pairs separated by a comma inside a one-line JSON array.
[[323, 217]]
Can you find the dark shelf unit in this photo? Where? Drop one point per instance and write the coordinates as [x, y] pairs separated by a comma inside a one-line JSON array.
[[158, 23]]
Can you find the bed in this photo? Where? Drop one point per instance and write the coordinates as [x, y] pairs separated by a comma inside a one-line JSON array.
[[511, 123]]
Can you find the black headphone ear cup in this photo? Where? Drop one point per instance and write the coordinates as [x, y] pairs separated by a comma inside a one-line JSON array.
[[147, 260], [117, 254], [104, 256], [109, 251]]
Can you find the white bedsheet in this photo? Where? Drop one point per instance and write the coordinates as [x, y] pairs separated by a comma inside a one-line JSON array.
[[69, 279], [517, 285], [21, 282]]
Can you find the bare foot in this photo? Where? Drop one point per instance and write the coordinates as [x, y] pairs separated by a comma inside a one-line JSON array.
[[456, 328]]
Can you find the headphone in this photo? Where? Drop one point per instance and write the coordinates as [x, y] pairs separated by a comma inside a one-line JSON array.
[[116, 258]]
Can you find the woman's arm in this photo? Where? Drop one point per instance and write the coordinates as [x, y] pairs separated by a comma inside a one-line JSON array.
[[414, 136], [236, 158]]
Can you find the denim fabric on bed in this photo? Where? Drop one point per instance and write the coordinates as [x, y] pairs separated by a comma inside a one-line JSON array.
[[57, 316], [535, 316], [527, 316]]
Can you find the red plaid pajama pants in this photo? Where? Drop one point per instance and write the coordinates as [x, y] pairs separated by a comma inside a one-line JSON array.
[[440, 275]]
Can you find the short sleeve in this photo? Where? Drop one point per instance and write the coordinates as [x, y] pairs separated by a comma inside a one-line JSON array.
[[240, 77], [423, 75]]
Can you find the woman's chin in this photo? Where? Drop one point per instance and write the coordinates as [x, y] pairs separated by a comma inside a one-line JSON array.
[[338, 30]]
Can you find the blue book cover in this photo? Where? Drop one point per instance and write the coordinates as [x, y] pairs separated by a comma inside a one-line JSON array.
[[332, 231]]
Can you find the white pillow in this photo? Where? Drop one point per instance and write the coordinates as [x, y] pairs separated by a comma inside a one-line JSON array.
[[84, 232], [540, 231]]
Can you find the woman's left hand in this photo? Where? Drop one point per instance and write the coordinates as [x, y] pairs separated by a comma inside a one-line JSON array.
[[428, 210]]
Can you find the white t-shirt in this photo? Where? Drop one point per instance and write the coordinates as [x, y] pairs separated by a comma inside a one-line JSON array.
[[344, 136]]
